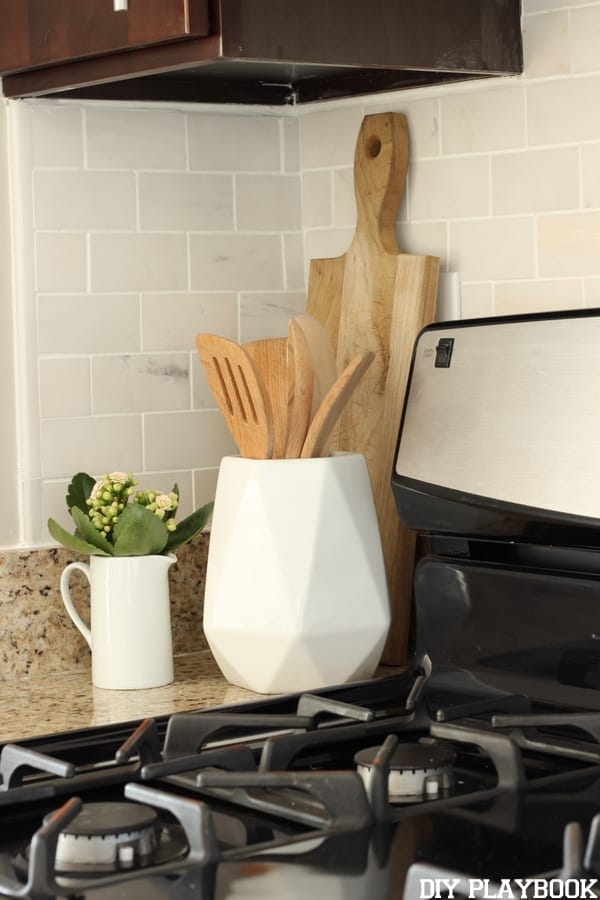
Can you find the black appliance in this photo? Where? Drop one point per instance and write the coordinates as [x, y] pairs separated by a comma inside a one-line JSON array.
[[474, 773]]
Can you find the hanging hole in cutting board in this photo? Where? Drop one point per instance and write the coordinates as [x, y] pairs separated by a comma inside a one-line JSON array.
[[374, 146]]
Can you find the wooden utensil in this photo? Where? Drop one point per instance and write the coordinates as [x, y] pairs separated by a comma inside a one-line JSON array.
[[333, 405], [322, 355], [300, 389], [240, 394], [270, 358], [374, 297]]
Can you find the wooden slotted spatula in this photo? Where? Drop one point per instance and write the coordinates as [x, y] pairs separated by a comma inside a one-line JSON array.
[[240, 394], [270, 358], [300, 390], [333, 405]]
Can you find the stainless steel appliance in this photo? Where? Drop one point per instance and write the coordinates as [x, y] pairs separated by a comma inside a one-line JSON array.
[[476, 772]]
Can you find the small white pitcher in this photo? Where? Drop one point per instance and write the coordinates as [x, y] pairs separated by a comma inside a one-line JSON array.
[[130, 618]]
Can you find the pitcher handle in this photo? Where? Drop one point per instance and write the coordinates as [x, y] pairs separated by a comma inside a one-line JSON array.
[[66, 595]]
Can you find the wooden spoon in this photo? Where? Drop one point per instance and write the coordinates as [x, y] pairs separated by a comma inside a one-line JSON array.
[[270, 358], [300, 390], [240, 393], [322, 355], [333, 404]]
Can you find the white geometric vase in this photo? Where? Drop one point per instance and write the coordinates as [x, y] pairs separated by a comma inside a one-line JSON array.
[[296, 595]]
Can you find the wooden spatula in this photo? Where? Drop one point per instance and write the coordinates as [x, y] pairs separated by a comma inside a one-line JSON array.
[[333, 405], [270, 358], [240, 394], [375, 297], [300, 390], [322, 356]]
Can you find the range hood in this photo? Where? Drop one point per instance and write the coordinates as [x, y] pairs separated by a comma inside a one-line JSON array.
[[286, 52]]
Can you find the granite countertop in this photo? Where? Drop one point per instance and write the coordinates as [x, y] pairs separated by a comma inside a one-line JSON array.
[[42, 705]]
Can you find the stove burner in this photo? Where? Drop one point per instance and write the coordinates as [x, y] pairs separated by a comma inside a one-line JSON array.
[[417, 770], [111, 835]]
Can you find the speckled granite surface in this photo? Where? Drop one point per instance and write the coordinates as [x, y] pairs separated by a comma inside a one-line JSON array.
[[37, 636], [37, 706]]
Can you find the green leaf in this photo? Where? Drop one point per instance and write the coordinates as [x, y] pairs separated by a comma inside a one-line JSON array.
[[86, 530], [72, 541], [189, 527], [139, 532], [79, 490]]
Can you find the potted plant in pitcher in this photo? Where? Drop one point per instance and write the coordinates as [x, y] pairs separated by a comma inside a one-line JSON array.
[[130, 537]]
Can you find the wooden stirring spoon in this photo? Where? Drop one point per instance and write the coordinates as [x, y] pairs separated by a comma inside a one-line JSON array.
[[333, 404], [300, 390], [270, 358], [240, 394]]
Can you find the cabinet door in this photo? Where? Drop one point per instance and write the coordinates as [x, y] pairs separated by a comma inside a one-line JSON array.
[[43, 32]]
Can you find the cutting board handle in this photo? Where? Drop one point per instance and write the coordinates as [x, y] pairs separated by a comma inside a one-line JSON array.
[[380, 166]]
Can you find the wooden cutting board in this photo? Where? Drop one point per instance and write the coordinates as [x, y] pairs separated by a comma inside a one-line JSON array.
[[375, 297]]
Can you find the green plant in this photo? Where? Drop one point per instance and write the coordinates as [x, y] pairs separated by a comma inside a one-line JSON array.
[[112, 519]]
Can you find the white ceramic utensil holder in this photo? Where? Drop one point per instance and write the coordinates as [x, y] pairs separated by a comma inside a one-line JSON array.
[[130, 619], [296, 595]]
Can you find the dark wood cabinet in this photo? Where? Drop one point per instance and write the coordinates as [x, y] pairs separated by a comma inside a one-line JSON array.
[[46, 32], [263, 51]]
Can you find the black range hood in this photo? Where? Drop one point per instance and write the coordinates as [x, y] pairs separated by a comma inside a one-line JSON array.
[[286, 52]]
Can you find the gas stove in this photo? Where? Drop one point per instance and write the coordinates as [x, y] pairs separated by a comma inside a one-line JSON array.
[[398, 786]]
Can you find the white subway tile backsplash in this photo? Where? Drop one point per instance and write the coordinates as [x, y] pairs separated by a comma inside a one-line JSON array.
[[91, 444], [328, 138], [344, 199], [235, 262], [591, 292], [323, 243], [476, 121], [423, 117], [130, 261], [476, 300], [590, 175], [172, 321], [202, 395], [205, 485], [267, 315], [224, 143], [424, 238], [535, 6], [185, 202], [56, 135], [317, 199], [537, 296], [144, 382], [88, 323], [492, 249], [291, 144], [535, 181], [585, 39], [60, 261], [293, 261], [186, 440], [449, 188], [546, 44], [121, 138], [268, 202], [79, 201], [564, 110], [64, 387], [568, 244]]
